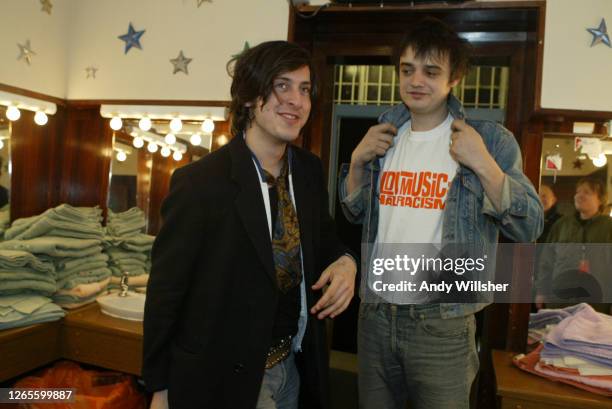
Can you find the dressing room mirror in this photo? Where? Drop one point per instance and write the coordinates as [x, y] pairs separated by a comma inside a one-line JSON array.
[[5, 169], [572, 166]]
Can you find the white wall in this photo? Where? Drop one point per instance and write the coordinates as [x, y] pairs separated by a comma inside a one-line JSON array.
[[210, 35], [21, 20], [575, 75]]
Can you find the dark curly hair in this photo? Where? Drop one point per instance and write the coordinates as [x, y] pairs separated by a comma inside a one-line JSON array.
[[431, 37], [253, 72]]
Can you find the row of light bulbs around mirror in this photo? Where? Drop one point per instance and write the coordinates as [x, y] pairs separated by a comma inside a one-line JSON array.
[[13, 114], [145, 124]]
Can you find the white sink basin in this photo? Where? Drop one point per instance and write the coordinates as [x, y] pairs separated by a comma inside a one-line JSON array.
[[130, 307]]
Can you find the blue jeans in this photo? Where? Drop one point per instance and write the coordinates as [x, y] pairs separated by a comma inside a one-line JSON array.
[[280, 387], [409, 353]]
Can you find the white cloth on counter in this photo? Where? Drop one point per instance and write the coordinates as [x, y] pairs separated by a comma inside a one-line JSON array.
[[22, 310]]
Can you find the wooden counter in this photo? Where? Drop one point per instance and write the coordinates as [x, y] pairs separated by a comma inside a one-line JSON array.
[[84, 335], [521, 390]]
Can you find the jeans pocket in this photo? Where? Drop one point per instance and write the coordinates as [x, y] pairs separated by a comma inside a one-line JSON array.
[[445, 328], [364, 310]]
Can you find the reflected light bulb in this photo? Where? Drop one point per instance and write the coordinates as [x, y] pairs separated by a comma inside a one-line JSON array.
[[195, 139], [144, 123], [165, 151], [177, 156], [170, 139], [121, 156], [138, 142], [152, 147], [13, 113], [601, 160], [1, 144], [176, 125], [40, 118], [208, 125], [222, 140], [116, 123]]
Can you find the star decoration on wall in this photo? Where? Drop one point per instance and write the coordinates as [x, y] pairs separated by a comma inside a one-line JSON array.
[[25, 52], [246, 47], [180, 63], [46, 6], [91, 72], [600, 34], [132, 38], [200, 2], [577, 164]]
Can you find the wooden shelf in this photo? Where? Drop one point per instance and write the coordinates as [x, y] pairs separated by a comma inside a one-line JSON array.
[[521, 390]]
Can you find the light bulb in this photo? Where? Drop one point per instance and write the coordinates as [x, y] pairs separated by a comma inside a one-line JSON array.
[[601, 160], [1, 144], [165, 151], [40, 118], [13, 113], [208, 125], [170, 139], [222, 140], [177, 156], [144, 123], [116, 123], [121, 156], [176, 125], [152, 147], [195, 139], [138, 142]]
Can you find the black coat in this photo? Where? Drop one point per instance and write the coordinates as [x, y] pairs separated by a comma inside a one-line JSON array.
[[212, 295]]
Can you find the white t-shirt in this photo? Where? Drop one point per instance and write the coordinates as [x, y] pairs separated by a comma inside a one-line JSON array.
[[416, 174]]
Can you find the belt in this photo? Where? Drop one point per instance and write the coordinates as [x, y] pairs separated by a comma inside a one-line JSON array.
[[278, 352]]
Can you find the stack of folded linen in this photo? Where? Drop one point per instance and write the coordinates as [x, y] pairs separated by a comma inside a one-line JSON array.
[[541, 322], [61, 221], [127, 223], [27, 309], [23, 272], [578, 351], [76, 250]]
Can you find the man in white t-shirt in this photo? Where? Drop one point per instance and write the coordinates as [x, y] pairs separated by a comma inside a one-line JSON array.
[[423, 178]]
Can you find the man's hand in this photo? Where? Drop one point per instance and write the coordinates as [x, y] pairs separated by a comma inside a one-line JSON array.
[[375, 143], [340, 275], [160, 400], [467, 146]]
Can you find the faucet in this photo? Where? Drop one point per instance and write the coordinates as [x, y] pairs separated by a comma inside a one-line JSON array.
[[124, 285]]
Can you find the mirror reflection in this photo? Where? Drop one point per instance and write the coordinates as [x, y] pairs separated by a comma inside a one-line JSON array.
[[5, 171]]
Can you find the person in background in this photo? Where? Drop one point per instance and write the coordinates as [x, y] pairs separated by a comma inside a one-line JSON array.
[[234, 311], [587, 225], [4, 193], [426, 354], [551, 213]]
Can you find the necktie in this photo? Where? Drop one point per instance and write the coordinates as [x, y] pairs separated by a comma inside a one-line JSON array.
[[286, 234]]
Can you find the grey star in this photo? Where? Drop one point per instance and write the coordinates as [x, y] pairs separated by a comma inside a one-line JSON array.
[[91, 72], [25, 52], [180, 63], [200, 2], [600, 34], [46, 6]]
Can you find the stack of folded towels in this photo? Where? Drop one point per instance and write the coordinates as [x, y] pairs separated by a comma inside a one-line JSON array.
[[577, 351], [129, 250], [543, 321], [71, 239], [25, 284]]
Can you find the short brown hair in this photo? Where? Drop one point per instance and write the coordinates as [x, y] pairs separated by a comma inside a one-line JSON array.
[[597, 186], [254, 71], [431, 37]]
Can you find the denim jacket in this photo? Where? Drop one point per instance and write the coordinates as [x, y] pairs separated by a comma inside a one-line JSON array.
[[469, 216]]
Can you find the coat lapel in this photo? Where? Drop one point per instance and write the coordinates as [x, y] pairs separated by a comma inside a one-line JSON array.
[[302, 189], [249, 203]]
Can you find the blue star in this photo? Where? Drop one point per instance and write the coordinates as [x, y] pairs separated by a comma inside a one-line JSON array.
[[132, 38], [600, 34]]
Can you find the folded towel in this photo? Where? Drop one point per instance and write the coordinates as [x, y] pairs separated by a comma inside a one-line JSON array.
[[85, 290], [56, 246], [19, 258]]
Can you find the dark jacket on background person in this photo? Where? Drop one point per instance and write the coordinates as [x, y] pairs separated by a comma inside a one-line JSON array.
[[212, 294], [565, 251], [550, 217]]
